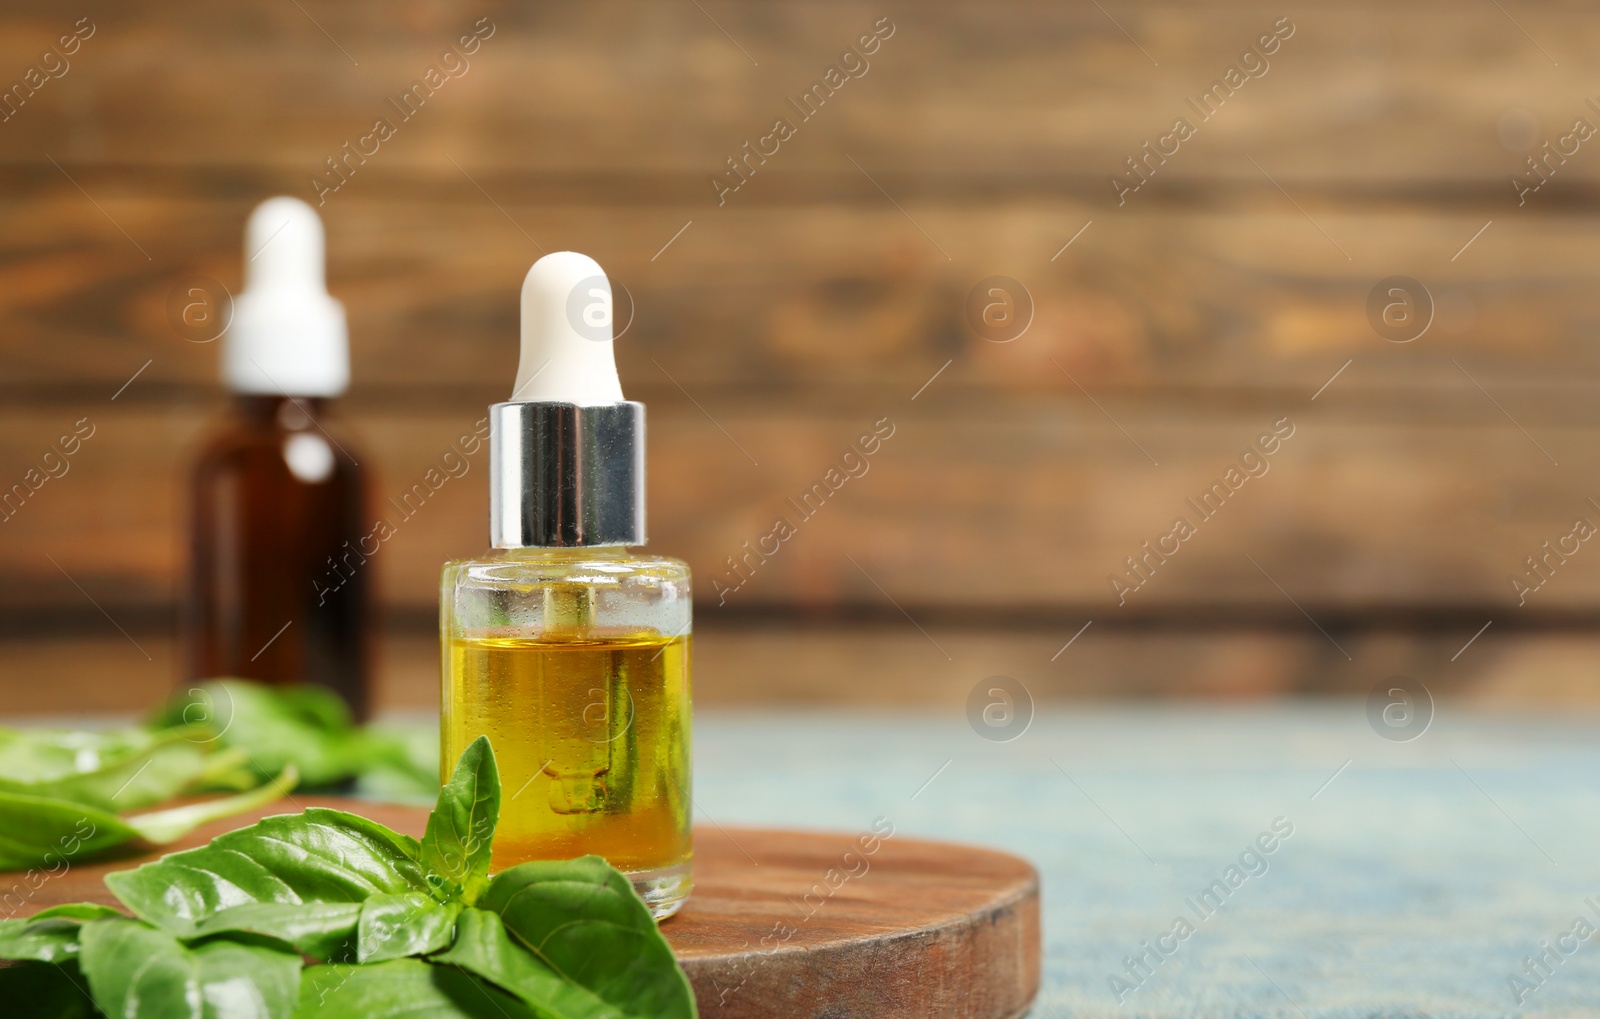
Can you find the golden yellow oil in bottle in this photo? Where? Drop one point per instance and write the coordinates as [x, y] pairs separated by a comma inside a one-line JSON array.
[[591, 733]]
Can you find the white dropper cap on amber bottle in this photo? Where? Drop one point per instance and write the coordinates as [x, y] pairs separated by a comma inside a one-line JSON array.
[[288, 336]]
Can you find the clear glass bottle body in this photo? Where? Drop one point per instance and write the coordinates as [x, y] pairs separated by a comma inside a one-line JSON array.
[[278, 589], [575, 663]]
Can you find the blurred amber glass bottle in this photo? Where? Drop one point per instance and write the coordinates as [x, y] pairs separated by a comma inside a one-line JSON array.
[[278, 591], [279, 579]]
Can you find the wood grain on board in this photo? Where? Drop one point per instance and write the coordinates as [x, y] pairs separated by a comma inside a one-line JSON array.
[[798, 925]]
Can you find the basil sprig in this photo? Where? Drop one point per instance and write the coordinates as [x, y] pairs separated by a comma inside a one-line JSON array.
[[392, 926], [309, 727], [50, 834], [66, 795]]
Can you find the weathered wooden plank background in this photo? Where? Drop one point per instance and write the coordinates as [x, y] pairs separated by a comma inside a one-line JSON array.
[[830, 291]]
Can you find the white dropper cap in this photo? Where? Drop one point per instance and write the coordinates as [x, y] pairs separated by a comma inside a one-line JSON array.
[[566, 452], [567, 354], [288, 336]]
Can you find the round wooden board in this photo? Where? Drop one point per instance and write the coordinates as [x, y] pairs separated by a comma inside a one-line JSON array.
[[799, 925]]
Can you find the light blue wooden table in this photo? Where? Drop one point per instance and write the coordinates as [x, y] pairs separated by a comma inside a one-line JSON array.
[[1415, 882]]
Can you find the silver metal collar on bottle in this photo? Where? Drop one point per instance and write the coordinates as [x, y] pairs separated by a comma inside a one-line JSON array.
[[561, 475]]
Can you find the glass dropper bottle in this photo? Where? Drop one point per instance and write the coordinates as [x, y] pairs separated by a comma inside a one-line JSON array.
[[278, 584], [564, 646]]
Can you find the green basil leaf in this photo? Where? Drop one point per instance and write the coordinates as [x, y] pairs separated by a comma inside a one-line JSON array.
[[50, 935], [455, 847], [40, 832], [326, 931], [138, 972], [401, 764], [163, 826], [113, 774], [45, 755], [410, 923], [49, 940], [583, 919], [42, 991], [307, 726], [402, 989], [229, 770], [319, 856], [482, 946], [77, 911], [167, 768], [316, 705]]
